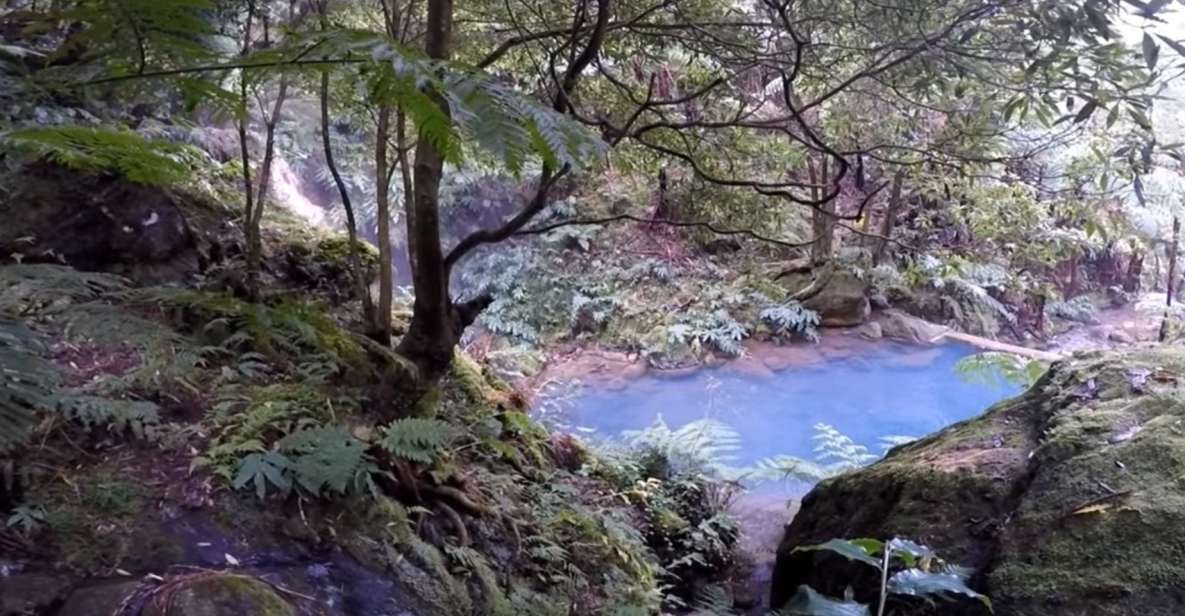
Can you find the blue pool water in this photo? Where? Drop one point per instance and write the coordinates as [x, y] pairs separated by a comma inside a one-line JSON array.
[[879, 390]]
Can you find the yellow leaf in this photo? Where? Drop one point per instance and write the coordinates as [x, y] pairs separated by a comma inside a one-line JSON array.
[[1099, 508]]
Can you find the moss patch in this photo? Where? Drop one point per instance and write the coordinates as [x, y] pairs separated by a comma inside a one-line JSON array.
[[221, 595]]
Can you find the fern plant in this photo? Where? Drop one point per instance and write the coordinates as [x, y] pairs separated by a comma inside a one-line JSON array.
[[26, 381], [416, 439], [791, 319], [104, 150], [993, 369], [329, 461], [140, 418], [835, 453], [718, 331], [704, 445]]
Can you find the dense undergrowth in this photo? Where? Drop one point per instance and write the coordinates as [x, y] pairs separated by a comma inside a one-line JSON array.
[[268, 410]]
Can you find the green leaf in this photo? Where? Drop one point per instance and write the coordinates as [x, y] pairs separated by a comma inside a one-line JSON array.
[[909, 552], [807, 602], [1087, 110], [918, 583], [263, 469], [326, 460], [1151, 51], [1140, 118], [1175, 45], [857, 549], [140, 160]]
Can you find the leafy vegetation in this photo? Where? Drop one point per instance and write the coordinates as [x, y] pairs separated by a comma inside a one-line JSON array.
[[906, 570], [679, 183]]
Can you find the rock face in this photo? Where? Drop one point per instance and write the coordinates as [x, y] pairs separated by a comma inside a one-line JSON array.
[[100, 223], [1064, 501], [843, 301]]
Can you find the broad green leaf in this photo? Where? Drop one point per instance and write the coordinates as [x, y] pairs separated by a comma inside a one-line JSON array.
[[848, 549], [918, 583], [262, 469], [1087, 110], [1151, 51], [807, 602]]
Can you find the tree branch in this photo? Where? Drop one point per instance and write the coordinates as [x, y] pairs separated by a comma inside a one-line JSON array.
[[670, 223]]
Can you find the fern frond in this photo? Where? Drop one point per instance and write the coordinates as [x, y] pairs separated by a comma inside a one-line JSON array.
[[416, 439], [26, 382], [139, 417], [325, 460], [83, 148], [27, 287]]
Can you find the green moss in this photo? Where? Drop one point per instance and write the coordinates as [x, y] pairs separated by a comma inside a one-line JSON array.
[[222, 595], [94, 527], [336, 250], [466, 375]]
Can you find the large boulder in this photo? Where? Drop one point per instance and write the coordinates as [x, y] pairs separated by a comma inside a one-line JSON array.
[[841, 302], [102, 222], [1064, 501]]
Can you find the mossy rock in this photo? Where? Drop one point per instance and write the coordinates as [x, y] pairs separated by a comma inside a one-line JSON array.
[[221, 595], [1066, 500]]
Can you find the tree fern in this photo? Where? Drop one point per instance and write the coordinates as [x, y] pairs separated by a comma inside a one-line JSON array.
[[103, 150]]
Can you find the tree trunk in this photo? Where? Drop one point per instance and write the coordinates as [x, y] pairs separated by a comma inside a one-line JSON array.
[[1169, 286], [255, 244], [408, 186], [822, 216], [245, 157], [362, 288], [437, 322], [436, 325], [890, 219], [381, 327], [662, 210], [1135, 269]]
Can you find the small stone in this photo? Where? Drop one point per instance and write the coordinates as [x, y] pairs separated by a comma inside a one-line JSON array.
[[1120, 336]]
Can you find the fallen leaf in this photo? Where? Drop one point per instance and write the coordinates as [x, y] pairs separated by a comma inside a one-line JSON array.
[[1099, 508]]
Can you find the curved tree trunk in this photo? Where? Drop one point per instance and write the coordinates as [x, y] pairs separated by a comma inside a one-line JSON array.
[[362, 288]]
